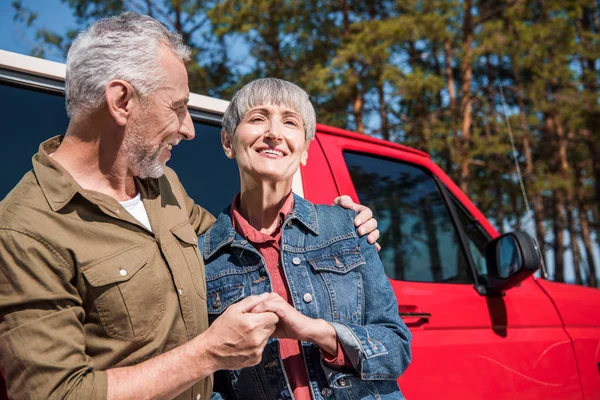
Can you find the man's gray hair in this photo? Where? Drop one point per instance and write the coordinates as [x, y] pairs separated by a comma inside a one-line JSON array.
[[123, 47], [270, 91]]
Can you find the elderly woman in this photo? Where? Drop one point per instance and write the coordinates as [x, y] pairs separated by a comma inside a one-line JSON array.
[[339, 334]]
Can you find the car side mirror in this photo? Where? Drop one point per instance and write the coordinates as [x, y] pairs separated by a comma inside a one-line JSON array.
[[511, 258]]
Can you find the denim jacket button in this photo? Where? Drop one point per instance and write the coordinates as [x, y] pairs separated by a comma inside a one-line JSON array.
[[342, 382], [296, 261], [307, 297], [326, 392]]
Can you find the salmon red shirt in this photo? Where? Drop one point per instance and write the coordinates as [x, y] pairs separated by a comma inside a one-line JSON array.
[[269, 248]]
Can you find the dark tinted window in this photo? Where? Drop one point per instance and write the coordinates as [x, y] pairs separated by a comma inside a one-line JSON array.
[[210, 178], [418, 238], [31, 116], [28, 117]]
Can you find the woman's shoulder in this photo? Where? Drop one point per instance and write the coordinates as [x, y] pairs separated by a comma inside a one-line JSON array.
[[220, 231], [335, 218]]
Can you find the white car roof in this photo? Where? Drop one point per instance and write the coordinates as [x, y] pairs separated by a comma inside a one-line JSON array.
[[56, 71]]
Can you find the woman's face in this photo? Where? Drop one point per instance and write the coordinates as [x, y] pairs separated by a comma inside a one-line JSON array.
[[269, 144]]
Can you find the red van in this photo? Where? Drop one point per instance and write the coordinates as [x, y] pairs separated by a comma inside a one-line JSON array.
[[483, 326]]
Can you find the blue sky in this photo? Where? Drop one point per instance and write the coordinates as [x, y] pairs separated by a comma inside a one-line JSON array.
[[14, 36]]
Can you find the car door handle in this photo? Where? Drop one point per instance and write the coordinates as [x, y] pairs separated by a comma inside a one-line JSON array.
[[413, 316]]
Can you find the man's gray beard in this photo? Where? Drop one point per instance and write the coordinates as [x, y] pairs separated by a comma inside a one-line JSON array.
[[147, 165], [140, 156]]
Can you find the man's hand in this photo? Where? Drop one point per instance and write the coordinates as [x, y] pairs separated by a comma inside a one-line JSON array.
[[238, 337], [364, 220], [295, 325]]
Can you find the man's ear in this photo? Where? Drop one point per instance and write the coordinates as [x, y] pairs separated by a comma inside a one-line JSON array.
[[227, 142], [119, 96]]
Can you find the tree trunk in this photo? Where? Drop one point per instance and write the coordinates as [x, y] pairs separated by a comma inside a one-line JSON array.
[[466, 105], [559, 228], [573, 239], [385, 129], [357, 110], [500, 208], [585, 227]]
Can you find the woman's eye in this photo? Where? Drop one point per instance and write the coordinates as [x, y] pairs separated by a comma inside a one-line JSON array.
[[291, 122]]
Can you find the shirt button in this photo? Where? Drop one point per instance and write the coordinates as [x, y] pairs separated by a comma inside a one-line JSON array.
[[307, 297], [198, 396], [326, 392], [122, 272], [342, 382], [296, 261], [180, 291]]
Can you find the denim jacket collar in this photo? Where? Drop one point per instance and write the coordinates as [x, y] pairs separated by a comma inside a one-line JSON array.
[[222, 232]]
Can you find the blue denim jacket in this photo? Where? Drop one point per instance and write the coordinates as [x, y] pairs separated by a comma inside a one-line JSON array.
[[332, 274]]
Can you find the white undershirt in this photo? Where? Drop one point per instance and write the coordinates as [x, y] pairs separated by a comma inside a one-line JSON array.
[[136, 208]]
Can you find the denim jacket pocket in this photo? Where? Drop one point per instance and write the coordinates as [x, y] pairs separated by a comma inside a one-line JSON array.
[[339, 275], [127, 294], [223, 296], [339, 263]]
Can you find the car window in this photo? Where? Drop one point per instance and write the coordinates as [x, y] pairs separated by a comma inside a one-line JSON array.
[[477, 238], [418, 237], [30, 116], [210, 178]]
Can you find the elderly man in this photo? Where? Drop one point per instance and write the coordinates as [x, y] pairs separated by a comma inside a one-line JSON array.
[[102, 288]]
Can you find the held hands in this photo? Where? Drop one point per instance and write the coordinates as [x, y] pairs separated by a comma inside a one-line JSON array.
[[238, 337], [295, 325], [364, 220]]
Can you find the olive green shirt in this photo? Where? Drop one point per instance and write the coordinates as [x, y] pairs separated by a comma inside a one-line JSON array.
[[84, 287]]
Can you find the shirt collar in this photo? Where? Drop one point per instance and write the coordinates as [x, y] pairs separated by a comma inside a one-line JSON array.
[[56, 183], [222, 232], [243, 227], [59, 187]]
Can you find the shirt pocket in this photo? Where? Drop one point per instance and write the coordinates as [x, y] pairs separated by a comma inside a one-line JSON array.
[[188, 244], [126, 294], [338, 274]]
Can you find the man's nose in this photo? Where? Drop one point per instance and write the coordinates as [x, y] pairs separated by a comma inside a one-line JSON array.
[[187, 129]]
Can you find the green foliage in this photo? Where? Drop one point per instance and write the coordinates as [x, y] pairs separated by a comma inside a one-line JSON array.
[[426, 73]]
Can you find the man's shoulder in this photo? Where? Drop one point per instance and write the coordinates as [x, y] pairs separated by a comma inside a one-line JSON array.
[[171, 176], [23, 202]]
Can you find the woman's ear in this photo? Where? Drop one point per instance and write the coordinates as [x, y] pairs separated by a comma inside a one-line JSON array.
[[227, 142], [304, 157]]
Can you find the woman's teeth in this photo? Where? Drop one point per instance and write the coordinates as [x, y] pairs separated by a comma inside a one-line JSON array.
[[271, 151]]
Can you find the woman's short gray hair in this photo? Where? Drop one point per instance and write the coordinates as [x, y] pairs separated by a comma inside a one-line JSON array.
[[124, 47], [270, 91]]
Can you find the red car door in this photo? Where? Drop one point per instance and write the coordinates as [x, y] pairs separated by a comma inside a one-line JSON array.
[[466, 345]]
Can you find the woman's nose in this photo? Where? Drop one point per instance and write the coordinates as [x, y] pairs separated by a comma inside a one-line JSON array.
[[274, 131]]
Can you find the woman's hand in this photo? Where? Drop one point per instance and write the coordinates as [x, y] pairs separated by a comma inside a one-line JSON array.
[[364, 221], [295, 325]]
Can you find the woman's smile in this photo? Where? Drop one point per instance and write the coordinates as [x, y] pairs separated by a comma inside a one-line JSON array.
[[271, 152]]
